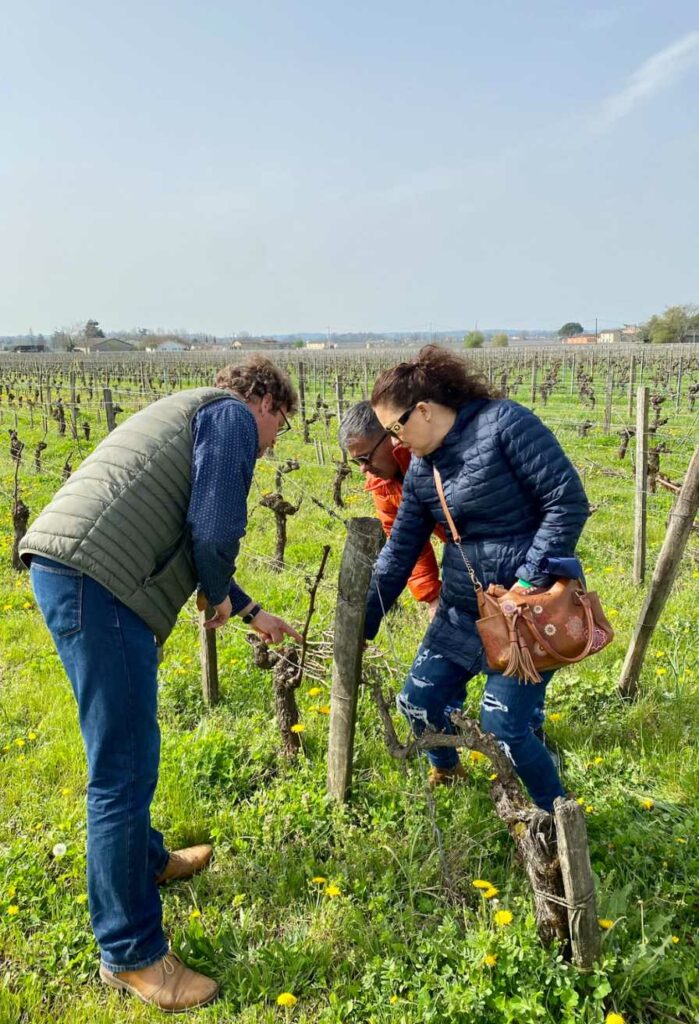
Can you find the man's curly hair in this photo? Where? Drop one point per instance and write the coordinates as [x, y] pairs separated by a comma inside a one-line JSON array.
[[259, 376]]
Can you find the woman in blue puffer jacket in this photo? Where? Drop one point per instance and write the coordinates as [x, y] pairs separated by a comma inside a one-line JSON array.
[[519, 507]]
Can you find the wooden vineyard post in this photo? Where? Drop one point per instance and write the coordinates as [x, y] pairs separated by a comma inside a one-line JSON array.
[[208, 654], [608, 399], [109, 409], [73, 407], [578, 882], [632, 384], [640, 508], [362, 545], [681, 521], [534, 368]]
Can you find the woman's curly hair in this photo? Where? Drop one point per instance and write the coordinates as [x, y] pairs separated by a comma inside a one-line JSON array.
[[434, 375], [259, 376]]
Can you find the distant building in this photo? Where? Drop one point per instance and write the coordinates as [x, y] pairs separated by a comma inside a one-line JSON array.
[[616, 335], [172, 346], [29, 348], [110, 345], [259, 344], [580, 339]]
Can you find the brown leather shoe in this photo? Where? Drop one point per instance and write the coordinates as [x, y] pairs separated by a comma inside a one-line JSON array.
[[185, 863], [167, 984], [447, 776]]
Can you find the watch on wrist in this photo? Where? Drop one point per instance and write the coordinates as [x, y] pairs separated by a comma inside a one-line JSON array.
[[249, 616]]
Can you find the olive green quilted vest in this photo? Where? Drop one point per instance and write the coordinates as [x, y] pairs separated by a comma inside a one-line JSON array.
[[121, 517]]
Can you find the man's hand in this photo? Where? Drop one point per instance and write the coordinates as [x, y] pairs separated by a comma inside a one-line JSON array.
[[432, 608], [223, 614], [272, 629]]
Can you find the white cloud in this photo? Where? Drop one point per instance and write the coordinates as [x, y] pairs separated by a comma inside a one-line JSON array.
[[658, 72]]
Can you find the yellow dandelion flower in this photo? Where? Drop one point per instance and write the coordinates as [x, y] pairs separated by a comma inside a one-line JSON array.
[[599, 760], [589, 809], [660, 654], [393, 1000], [648, 804], [31, 736], [614, 1018], [612, 611], [580, 800], [324, 709], [503, 918], [319, 880], [7, 607], [315, 691], [13, 910], [679, 839], [286, 999], [27, 604], [605, 922], [299, 727], [493, 777], [490, 959], [480, 883], [675, 939], [332, 891], [11, 890], [19, 742], [194, 914], [489, 893], [555, 717], [661, 671], [475, 756], [81, 898], [65, 791]]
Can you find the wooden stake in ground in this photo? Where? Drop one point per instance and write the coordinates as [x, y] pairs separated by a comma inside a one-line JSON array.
[[681, 521], [578, 882], [364, 539], [639, 529], [208, 654]]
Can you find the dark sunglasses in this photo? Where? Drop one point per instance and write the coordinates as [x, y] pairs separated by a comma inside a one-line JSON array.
[[396, 427], [365, 460], [286, 426]]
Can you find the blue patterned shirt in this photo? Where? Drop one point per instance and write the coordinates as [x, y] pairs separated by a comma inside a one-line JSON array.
[[223, 460]]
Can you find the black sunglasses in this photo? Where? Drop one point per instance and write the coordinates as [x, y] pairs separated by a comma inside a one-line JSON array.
[[286, 425], [365, 460], [396, 427]]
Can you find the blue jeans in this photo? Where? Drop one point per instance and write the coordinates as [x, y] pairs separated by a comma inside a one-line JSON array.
[[109, 655], [511, 710]]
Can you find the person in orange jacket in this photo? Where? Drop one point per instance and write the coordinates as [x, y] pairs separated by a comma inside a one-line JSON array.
[[384, 463]]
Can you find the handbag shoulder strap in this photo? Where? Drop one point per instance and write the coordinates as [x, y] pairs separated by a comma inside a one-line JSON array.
[[477, 585]]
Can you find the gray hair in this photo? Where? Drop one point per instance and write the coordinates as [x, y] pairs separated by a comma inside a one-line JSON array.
[[359, 423]]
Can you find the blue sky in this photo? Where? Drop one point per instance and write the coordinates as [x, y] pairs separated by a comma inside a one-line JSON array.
[[277, 166]]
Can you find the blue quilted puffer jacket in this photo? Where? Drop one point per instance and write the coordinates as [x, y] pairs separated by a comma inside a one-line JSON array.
[[518, 505]]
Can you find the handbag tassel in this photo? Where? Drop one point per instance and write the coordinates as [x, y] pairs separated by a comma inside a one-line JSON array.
[[520, 664]]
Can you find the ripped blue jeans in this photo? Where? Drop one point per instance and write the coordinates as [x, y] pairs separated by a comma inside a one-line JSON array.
[[511, 710]]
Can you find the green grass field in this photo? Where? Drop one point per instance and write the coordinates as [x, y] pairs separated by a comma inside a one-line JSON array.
[[360, 912]]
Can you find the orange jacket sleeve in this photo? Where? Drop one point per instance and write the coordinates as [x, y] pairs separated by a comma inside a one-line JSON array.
[[424, 583]]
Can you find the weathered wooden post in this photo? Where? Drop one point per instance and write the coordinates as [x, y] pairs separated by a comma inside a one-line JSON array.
[[364, 537], [578, 882], [534, 369], [681, 521], [632, 385], [640, 509], [109, 409], [608, 399], [73, 407], [208, 654]]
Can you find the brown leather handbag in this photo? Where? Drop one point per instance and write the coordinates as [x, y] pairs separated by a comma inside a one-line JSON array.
[[525, 632]]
